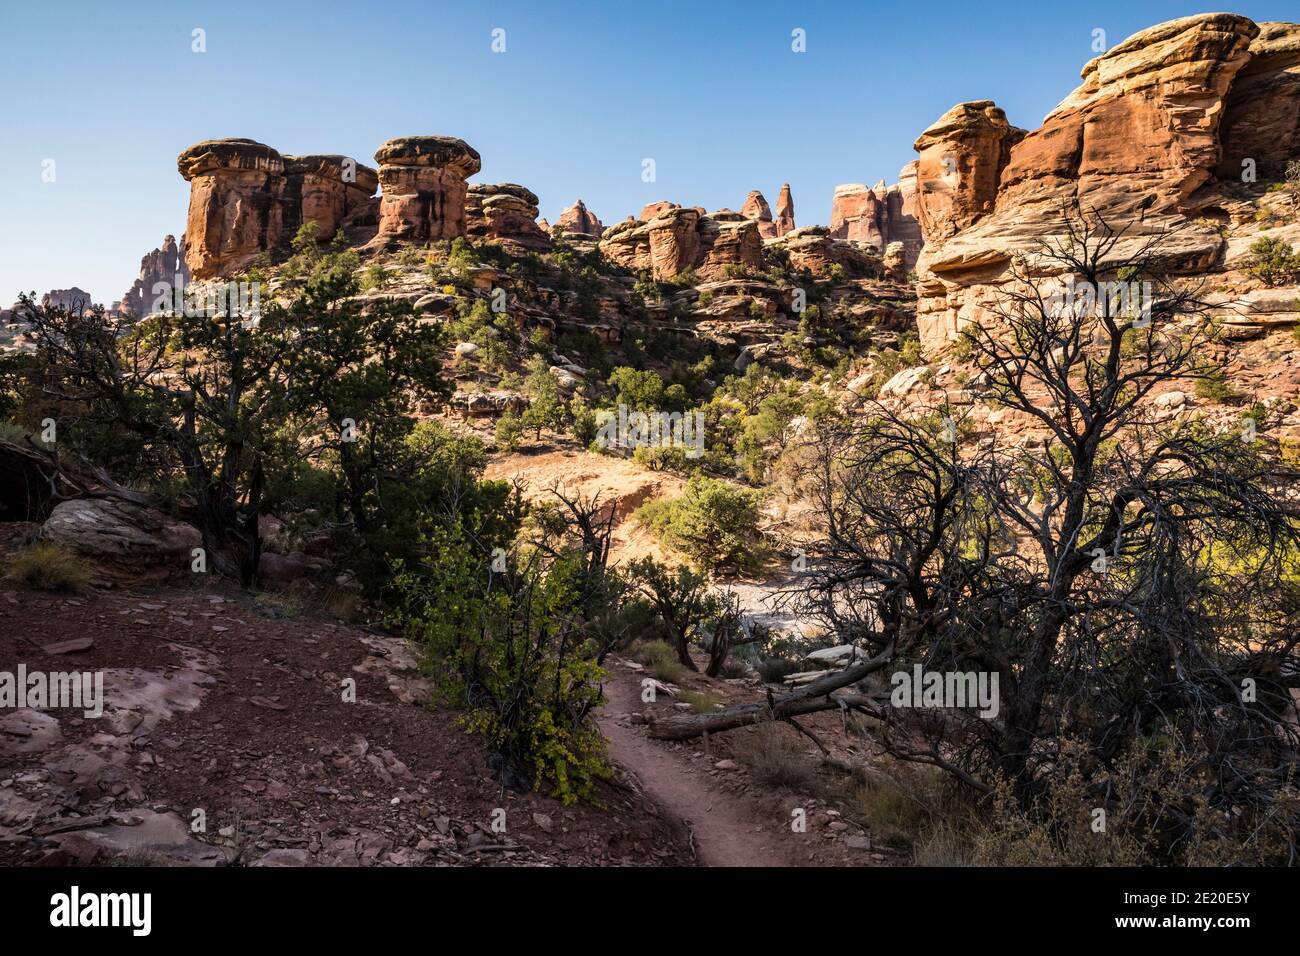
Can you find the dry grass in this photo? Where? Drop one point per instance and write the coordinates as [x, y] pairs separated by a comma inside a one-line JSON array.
[[702, 702], [49, 567], [660, 659], [774, 757]]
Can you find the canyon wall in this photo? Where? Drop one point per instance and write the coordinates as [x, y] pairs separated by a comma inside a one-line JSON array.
[[1153, 138]]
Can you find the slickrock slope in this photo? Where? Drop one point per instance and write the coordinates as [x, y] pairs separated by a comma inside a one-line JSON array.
[[1139, 141]]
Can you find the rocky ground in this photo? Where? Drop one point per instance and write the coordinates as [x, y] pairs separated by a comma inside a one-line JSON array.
[[215, 705]]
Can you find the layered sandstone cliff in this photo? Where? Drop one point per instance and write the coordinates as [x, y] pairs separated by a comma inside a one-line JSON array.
[[880, 215], [679, 239], [1139, 141], [246, 199]]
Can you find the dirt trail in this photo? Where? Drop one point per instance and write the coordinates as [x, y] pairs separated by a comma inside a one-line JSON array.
[[727, 831]]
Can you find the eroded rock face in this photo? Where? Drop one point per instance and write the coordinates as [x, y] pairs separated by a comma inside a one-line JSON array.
[[579, 219], [164, 264], [1137, 141], [424, 189], [1262, 114], [880, 215], [962, 156], [73, 300], [681, 238], [236, 204], [504, 213], [326, 190]]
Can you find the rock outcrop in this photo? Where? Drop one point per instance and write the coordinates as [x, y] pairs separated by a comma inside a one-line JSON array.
[[784, 211], [246, 199], [815, 249], [681, 238], [504, 213], [755, 207], [236, 204], [73, 300], [1139, 141], [424, 188], [579, 219], [121, 532], [880, 215], [164, 264], [1261, 119]]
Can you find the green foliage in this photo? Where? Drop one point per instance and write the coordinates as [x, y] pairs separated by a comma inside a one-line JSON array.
[[48, 567], [660, 660], [645, 391], [1273, 262], [510, 429], [1214, 386], [513, 637], [712, 522], [546, 403]]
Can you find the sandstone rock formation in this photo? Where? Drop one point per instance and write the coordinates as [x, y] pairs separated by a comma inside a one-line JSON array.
[[1262, 113], [962, 156], [121, 532], [246, 199], [578, 219], [328, 190], [679, 239], [1139, 141], [424, 189], [505, 213], [815, 249], [784, 211], [755, 207], [164, 264], [73, 300], [880, 215], [236, 204]]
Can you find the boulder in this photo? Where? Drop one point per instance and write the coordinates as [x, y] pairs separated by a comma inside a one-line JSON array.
[[120, 532]]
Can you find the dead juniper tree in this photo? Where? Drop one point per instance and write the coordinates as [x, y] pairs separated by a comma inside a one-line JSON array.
[[1130, 579]]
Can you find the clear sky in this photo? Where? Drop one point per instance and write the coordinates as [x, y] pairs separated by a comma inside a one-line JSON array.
[[111, 91]]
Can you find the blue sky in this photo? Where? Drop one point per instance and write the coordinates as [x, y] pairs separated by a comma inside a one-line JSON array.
[[112, 92]]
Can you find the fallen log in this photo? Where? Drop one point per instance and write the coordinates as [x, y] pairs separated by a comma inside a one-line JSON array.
[[808, 699]]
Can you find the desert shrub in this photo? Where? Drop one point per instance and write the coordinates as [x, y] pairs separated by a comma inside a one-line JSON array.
[[512, 636], [660, 661], [1125, 819], [702, 702], [1215, 387], [1272, 261], [45, 566], [714, 523], [510, 429], [774, 758], [773, 670]]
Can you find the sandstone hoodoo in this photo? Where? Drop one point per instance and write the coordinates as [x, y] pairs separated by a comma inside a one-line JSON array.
[[236, 204], [424, 188], [784, 211], [247, 199], [679, 239], [579, 219], [1154, 136], [755, 207]]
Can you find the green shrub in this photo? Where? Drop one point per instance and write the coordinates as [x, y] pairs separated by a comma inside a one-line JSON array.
[[660, 660], [49, 567], [712, 522], [1215, 387], [1273, 262]]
